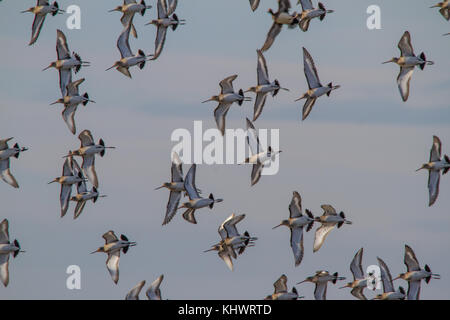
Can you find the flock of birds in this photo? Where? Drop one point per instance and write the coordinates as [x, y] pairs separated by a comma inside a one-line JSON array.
[[232, 243]]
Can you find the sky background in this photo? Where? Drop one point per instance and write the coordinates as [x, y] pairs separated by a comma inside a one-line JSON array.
[[357, 150]]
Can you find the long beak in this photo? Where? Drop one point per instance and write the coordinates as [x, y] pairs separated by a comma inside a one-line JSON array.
[[285, 89], [212, 249], [159, 188], [301, 282], [112, 10], [387, 61], [435, 6], [95, 251], [110, 68], [396, 278], [52, 181], [54, 102], [277, 226], [47, 68], [207, 100], [419, 169], [302, 97]]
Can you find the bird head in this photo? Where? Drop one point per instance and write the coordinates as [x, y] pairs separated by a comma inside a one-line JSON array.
[[51, 65], [213, 98], [391, 60], [100, 249], [283, 223]]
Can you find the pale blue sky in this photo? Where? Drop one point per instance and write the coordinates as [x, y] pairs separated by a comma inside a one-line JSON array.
[[357, 150]]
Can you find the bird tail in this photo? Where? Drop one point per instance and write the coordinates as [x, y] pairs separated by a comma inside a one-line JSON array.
[[330, 85], [145, 7], [424, 58], [241, 93], [212, 198], [142, 54], [174, 26], [447, 160], [427, 269], [16, 146], [322, 7], [96, 197], [86, 96], [102, 143], [189, 216], [275, 92], [335, 275], [16, 243], [55, 4]]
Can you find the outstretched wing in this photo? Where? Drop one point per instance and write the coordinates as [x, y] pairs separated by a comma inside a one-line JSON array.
[[227, 84], [4, 272], [356, 266], [68, 115], [172, 206], [306, 5], [219, 114], [271, 35], [172, 6], [405, 45], [413, 290], [433, 186], [321, 234], [254, 4], [109, 237], [256, 173], [386, 277], [159, 41], [280, 285], [162, 9], [112, 264], [297, 244], [358, 293], [6, 175], [253, 139], [328, 210], [262, 72], [177, 168], [436, 150], [4, 233], [295, 207], [153, 292], [403, 80], [284, 5], [86, 138], [320, 291], [72, 88], [62, 49], [134, 293], [410, 260], [122, 42], [38, 22], [88, 166], [189, 183], [310, 70], [260, 101]]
